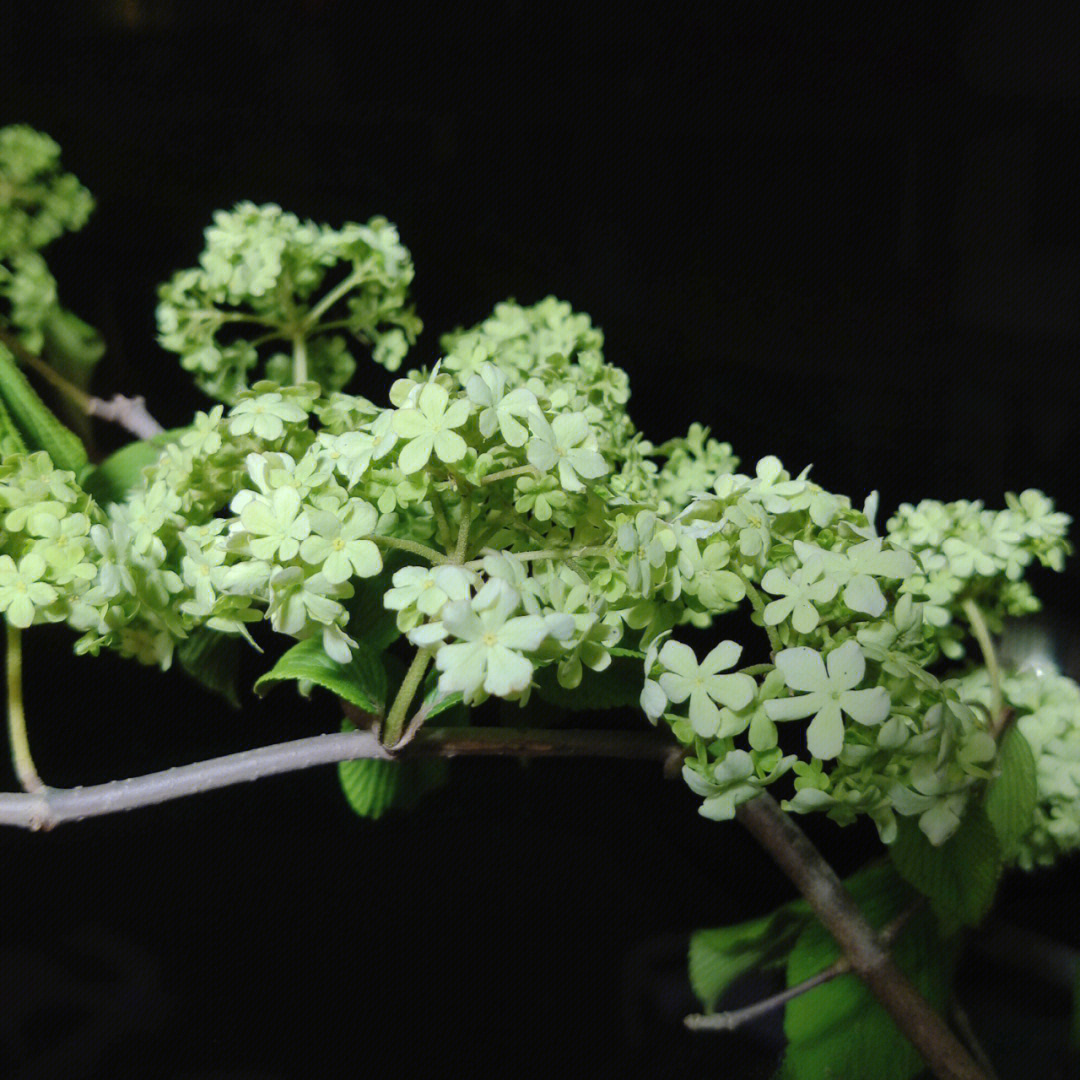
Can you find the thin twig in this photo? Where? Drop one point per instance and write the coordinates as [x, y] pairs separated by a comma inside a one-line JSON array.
[[54, 806], [869, 958], [730, 1021], [130, 413]]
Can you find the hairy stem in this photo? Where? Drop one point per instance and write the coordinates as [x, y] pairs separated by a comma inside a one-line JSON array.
[[986, 645], [869, 958], [20, 744], [759, 607], [54, 806], [462, 545], [429, 553], [548, 553], [517, 470], [446, 537], [395, 721], [299, 359]]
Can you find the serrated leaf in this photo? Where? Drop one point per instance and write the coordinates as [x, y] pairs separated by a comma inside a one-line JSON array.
[[618, 686], [112, 479], [960, 877], [444, 703], [39, 426], [838, 1030], [1011, 796], [362, 681], [212, 659], [373, 786], [716, 958]]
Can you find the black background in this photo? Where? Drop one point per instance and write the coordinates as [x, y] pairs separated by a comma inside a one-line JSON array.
[[847, 237]]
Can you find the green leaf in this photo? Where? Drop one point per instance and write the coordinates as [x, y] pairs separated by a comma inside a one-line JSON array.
[[110, 481], [445, 703], [40, 427], [718, 957], [961, 876], [618, 686], [1011, 796], [213, 659], [362, 681], [372, 786], [838, 1030]]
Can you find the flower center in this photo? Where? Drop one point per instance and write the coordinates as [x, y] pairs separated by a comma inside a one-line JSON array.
[[490, 639]]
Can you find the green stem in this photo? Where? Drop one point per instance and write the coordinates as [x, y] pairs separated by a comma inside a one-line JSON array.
[[20, 744], [550, 553], [331, 298], [759, 606], [986, 644], [445, 536], [757, 669], [462, 545], [503, 474], [299, 359], [410, 684], [429, 553]]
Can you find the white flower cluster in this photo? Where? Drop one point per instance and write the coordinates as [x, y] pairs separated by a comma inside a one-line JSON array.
[[531, 525], [1046, 705]]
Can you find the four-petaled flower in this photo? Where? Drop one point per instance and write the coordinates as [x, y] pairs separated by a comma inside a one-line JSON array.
[[265, 416], [827, 695], [487, 655], [772, 492], [22, 590], [648, 549], [424, 590], [569, 443], [341, 547], [798, 595], [856, 568], [275, 525], [702, 683], [499, 409], [429, 428]]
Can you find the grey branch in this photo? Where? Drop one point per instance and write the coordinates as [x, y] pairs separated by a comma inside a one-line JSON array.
[[129, 412], [869, 957], [54, 806], [730, 1021]]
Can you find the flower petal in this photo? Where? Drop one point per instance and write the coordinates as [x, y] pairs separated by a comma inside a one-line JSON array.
[[680, 658], [825, 735], [846, 665], [723, 656], [507, 671], [802, 668]]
